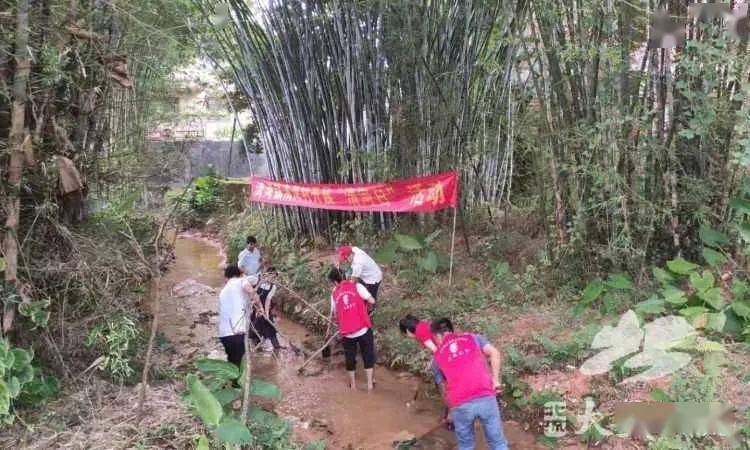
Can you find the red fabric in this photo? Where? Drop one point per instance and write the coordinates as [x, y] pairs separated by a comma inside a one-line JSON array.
[[422, 194], [344, 252], [422, 332], [465, 369], [351, 312]]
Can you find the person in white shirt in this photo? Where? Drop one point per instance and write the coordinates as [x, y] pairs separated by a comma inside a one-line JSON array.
[[250, 260], [234, 308], [364, 268]]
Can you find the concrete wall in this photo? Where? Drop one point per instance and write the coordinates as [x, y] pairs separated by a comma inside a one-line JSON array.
[[207, 154]]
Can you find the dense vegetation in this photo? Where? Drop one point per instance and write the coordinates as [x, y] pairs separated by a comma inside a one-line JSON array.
[[598, 173]]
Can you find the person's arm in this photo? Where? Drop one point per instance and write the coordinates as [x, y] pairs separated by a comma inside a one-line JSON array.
[[356, 268], [494, 355], [365, 294], [437, 374], [431, 345], [330, 316]]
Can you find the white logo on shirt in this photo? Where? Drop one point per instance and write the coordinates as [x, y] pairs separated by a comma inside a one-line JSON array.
[[346, 300], [453, 347]]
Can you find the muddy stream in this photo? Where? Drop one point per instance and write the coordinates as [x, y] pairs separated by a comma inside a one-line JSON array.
[[319, 406]]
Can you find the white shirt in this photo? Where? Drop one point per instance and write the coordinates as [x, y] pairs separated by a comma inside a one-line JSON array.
[[249, 262], [365, 268], [233, 308], [365, 294]]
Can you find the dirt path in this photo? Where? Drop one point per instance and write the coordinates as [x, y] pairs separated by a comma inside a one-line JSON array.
[[319, 406]]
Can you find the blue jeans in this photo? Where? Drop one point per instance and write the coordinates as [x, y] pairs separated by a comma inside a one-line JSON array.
[[488, 412]]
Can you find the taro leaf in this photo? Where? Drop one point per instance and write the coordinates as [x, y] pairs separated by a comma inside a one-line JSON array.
[[734, 325], [619, 281], [14, 387], [609, 302], [217, 368], [406, 242], [204, 402], [702, 283], [432, 236], [716, 321], [681, 266], [660, 336], [21, 358], [712, 237], [714, 258], [658, 395], [387, 253], [429, 263], [663, 276], [227, 396], [739, 289], [592, 291], [712, 297], [202, 443], [263, 418], [616, 342], [673, 295], [700, 320], [232, 431], [266, 389], [741, 308], [692, 311], [654, 305]]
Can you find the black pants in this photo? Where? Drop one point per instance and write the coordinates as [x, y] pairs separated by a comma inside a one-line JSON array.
[[366, 344], [235, 347], [372, 288]]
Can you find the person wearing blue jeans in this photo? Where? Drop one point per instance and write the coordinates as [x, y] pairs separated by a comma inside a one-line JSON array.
[[469, 387]]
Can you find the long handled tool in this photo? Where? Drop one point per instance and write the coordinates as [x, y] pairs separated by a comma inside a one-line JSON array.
[[317, 352]]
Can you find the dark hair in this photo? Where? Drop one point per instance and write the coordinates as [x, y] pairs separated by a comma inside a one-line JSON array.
[[232, 271], [408, 323], [251, 240], [271, 269], [441, 326], [335, 275]]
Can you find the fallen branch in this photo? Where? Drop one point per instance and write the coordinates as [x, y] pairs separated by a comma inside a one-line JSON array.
[[305, 302]]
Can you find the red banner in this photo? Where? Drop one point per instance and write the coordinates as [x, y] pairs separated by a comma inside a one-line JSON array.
[[422, 194]]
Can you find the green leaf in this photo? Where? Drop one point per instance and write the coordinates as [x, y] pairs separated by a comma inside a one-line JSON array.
[[712, 237], [432, 236], [429, 263], [619, 281], [202, 443], [592, 291], [227, 396], [716, 321], [744, 230], [387, 253], [658, 395], [609, 302], [203, 401], [408, 243], [702, 282], [21, 358], [266, 389], [653, 305], [687, 133], [4, 398], [692, 311], [662, 276], [681, 266], [713, 258], [2, 264], [14, 387], [262, 417], [741, 205], [217, 368], [673, 295], [741, 308], [232, 431], [712, 297]]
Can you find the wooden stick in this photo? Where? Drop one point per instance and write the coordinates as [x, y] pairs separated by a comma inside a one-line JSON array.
[[453, 246], [317, 352], [299, 297]]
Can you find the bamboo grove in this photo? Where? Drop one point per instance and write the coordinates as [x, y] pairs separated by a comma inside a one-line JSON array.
[[559, 109]]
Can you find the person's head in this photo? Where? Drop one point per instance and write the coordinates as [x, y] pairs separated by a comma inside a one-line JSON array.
[[271, 274], [251, 243], [232, 271], [408, 325], [345, 253], [335, 276], [440, 328], [253, 281]]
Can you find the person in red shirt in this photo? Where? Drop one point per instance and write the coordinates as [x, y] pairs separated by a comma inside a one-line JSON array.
[[468, 386], [419, 330], [349, 301]]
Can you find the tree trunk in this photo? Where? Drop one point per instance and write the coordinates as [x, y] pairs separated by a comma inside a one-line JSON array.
[[12, 202]]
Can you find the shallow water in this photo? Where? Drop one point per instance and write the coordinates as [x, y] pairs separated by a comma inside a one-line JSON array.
[[320, 406]]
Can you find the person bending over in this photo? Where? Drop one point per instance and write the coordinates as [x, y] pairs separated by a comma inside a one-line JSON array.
[[262, 327], [348, 303], [234, 300], [468, 386], [364, 268], [419, 330]]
